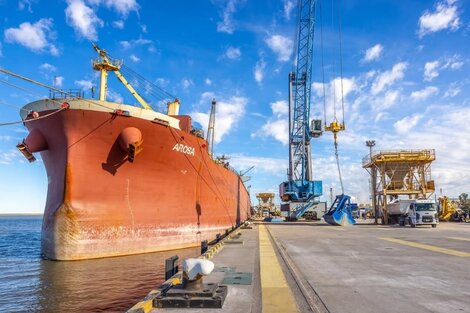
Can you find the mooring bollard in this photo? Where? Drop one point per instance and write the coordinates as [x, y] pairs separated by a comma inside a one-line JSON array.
[[204, 246], [194, 270], [217, 238], [171, 266]]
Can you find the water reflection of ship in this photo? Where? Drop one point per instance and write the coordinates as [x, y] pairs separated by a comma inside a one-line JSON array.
[[101, 285]]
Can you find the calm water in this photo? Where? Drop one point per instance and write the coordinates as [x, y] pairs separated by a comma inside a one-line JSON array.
[[30, 284]]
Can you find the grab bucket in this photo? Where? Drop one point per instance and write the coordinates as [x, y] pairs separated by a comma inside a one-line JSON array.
[[339, 213]]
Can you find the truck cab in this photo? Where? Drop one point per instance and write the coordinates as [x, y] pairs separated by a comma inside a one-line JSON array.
[[426, 212]]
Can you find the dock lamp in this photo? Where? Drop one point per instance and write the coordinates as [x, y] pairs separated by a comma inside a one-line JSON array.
[[370, 144]]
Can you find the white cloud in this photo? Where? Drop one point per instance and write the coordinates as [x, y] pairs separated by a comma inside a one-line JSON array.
[[126, 44], [454, 90], [208, 82], [406, 124], [280, 108], [26, 4], [389, 98], [123, 7], [333, 94], [118, 24], [431, 70], [278, 129], [258, 72], [9, 157], [261, 164], [454, 62], [114, 96], [233, 53], [83, 19], [228, 114], [380, 116], [446, 16], [134, 58], [423, 94], [186, 83], [281, 45], [289, 5], [227, 24], [387, 78], [5, 138], [47, 69], [38, 36], [278, 125], [84, 84], [162, 82], [58, 81], [373, 53]]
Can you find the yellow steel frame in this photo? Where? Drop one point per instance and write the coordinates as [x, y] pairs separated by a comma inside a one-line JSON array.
[[400, 172], [266, 200], [105, 64]]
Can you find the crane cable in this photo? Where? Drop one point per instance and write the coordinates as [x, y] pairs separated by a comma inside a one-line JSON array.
[[322, 62], [2, 70], [335, 131], [22, 109], [342, 96]]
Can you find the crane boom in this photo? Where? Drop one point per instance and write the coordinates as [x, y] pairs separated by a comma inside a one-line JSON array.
[[105, 64], [300, 186], [131, 89]]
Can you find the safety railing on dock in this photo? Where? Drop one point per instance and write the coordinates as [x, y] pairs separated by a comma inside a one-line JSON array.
[[399, 155]]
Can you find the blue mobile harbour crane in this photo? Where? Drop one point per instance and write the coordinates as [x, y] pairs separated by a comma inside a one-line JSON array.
[[300, 192]]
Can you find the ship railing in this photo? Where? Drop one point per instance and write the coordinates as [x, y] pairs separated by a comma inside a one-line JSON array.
[[66, 94], [227, 166]]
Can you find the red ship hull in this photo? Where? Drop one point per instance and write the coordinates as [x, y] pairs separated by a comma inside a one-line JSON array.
[[100, 204]]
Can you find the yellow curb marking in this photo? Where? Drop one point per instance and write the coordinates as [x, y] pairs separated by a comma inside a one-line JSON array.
[[427, 247], [275, 292]]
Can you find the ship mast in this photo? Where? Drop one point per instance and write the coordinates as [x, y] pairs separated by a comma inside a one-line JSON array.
[[211, 129], [104, 64]]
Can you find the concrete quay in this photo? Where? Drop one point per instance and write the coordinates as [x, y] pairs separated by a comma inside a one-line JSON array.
[[315, 267]]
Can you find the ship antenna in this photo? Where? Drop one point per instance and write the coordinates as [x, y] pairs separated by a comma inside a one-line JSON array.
[[211, 129]]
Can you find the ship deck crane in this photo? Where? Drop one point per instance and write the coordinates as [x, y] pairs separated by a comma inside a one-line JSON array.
[[105, 64]]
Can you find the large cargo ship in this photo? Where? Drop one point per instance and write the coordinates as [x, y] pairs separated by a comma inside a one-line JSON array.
[[125, 180]]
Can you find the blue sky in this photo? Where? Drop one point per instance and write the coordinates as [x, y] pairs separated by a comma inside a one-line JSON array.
[[405, 69]]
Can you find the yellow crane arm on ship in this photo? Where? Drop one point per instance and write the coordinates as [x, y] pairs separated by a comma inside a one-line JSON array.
[[105, 64], [131, 89]]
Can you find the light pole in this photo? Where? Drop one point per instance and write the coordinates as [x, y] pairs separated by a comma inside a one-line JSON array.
[[370, 144]]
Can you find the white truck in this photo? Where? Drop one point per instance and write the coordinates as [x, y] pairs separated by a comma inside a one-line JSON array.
[[413, 212]]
